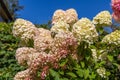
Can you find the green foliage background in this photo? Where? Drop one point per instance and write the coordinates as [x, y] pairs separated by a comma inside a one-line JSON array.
[[8, 46]]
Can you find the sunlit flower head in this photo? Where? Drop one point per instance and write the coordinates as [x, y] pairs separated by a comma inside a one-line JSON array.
[[22, 55], [42, 44], [42, 32], [112, 38], [23, 29], [64, 43], [42, 40], [103, 18], [22, 75], [40, 62], [60, 26], [84, 30], [69, 16], [59, 15]]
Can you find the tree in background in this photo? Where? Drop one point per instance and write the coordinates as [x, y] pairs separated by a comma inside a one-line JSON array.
[[14, 6]]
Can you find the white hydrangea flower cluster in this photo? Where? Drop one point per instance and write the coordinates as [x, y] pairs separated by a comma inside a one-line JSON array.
[[112, 38], [60, 26], [69, 16], [23, 29], [24, 55], [103, 18], [59, 15], [84, 30], [42, 32], [102, 72], [42, 40]]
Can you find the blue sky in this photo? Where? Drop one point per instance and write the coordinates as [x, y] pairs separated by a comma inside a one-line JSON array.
[[40, 11]]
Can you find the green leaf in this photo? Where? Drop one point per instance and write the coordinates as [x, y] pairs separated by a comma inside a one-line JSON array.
[[61, 72], [116, 64], [53, 73], [64, 79], [92, 76], [87, 58], [99, 64], [63, 63], [110, 57], [108, 73], [101, 30], [80, 72], [86, 74], [82, 64], [71, 74], [92, 47], [57, 77]]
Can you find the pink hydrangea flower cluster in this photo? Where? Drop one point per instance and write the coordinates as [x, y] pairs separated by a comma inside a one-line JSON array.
[[46, 53], [60, 48], [116, 9]]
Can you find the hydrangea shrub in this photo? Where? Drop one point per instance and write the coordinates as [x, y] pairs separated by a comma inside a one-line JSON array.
[[71, 50]]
